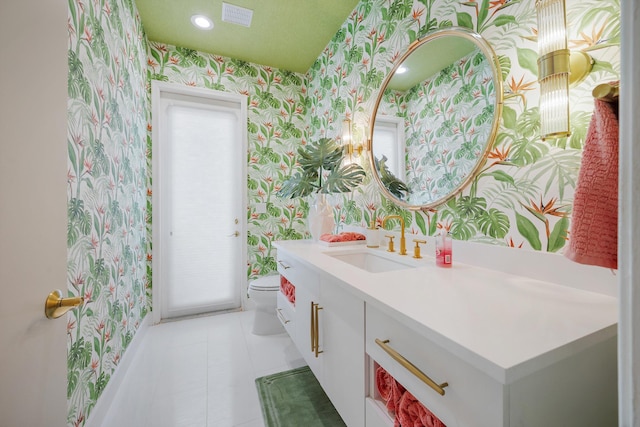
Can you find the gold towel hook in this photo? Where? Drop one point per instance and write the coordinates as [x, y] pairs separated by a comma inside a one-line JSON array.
[[607, 92]]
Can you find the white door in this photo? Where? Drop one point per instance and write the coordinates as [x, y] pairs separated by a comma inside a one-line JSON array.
[[33, 218], [199, 180]]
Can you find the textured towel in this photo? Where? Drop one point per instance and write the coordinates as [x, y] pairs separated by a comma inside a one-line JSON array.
[[288, 290], [412, 413], [594, 223], [345, 236], [390, 390]]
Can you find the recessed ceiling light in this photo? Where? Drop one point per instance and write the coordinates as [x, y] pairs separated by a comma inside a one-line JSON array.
[[401, 69], [202, 22]]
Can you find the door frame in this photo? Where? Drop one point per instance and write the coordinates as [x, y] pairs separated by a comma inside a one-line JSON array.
[[398, 124], [158, 275], [628, 220]]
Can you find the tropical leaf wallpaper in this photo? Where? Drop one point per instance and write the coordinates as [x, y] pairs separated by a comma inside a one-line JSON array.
[[522, 197], [276, 127], [447, 123], [107, 193]]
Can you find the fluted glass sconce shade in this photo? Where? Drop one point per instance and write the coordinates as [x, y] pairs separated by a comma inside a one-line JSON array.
[[352, 145], [553, 69]]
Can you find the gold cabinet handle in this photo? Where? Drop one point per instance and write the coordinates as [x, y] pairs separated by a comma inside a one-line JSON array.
[[55, 306], [281, 316], [234, 234], [313, 328], [285, 266], [316, 333], [439, 388]]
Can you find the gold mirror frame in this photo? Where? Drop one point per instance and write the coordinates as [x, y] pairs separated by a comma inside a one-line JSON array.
[[492, 58]]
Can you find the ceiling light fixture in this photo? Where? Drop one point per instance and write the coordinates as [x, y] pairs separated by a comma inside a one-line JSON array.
[[202, 22]]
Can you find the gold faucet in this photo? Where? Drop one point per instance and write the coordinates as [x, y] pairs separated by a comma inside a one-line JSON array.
[[403, 242]]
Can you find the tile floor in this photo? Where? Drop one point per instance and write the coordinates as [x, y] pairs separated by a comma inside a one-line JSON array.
[[200, 372]]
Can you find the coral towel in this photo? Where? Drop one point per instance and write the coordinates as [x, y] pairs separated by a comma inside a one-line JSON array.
[[390, 390], [413, 414], [287, 288], [594, 223], [345, 236]]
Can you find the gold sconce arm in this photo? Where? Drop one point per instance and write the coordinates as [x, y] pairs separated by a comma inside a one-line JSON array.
[[55, 306]]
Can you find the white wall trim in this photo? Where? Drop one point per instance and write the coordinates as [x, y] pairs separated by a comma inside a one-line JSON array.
[[629, 221], [157, 88], [99, 412]]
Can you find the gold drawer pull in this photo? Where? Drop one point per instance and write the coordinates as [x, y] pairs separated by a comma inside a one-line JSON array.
[[313, 327], [281, 316], [285, 266], [316, 332], [439, 388]]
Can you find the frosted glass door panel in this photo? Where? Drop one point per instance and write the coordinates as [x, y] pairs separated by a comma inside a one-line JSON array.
[[202, 209]]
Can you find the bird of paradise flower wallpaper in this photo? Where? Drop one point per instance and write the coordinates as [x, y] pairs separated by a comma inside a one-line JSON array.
[[522, 197], [107, 194]]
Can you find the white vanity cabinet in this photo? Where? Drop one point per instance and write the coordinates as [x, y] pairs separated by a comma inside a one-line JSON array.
[[329, 332], [577, 391], [341, 322], [513, 351], [471, 398]]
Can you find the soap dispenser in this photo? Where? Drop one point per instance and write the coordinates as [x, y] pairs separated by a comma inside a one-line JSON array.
[[373, 234], [444, 250]]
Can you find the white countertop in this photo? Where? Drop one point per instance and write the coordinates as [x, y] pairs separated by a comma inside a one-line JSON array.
[[506, 325]]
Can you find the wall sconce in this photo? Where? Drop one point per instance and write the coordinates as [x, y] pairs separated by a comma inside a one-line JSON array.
[[352, 144], [558, 68]]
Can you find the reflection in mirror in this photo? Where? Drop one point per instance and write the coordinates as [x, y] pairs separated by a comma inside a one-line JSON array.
[[389, 135], [435, 122]]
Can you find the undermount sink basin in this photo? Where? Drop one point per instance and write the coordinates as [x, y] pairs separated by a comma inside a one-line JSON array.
[[373, 263]]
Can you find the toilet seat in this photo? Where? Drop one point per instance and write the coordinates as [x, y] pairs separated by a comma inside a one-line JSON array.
[[266, 283]]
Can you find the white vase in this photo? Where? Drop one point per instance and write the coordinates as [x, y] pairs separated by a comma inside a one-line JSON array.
[[320, 219]]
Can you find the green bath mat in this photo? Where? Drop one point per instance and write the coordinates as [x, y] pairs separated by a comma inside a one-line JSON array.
[[296, 399]]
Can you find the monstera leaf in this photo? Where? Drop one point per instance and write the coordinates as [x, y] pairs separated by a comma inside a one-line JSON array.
[[314, 158], [390, 181], [343, 179]]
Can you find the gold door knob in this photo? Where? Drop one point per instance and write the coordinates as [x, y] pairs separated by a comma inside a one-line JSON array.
[[55, 306]]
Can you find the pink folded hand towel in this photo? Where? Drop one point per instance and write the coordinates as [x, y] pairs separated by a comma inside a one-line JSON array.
[[345, 236], [593, 238]]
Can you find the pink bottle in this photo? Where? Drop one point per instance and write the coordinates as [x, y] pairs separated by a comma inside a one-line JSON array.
[[443, 250]]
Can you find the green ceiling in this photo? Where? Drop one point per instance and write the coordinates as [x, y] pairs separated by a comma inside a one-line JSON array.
[[287, 34], [430, 58]]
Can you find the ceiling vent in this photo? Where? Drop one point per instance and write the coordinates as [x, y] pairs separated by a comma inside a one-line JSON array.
[[236, 15]]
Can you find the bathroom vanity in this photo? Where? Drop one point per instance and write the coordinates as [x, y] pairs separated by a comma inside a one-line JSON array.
[[477, 347]]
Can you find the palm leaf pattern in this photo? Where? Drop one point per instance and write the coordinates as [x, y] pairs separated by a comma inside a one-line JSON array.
[[109, 206]]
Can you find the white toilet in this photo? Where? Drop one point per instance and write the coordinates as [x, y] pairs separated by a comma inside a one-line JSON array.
[[263, 292]]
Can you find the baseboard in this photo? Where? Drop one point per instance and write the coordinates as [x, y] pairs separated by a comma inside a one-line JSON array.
[[97, 416]]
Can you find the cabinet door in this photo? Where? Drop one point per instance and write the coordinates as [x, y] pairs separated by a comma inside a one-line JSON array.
[[305, 329], [342, 346]]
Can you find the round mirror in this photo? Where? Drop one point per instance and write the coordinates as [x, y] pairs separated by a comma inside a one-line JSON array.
[[436, 118]]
